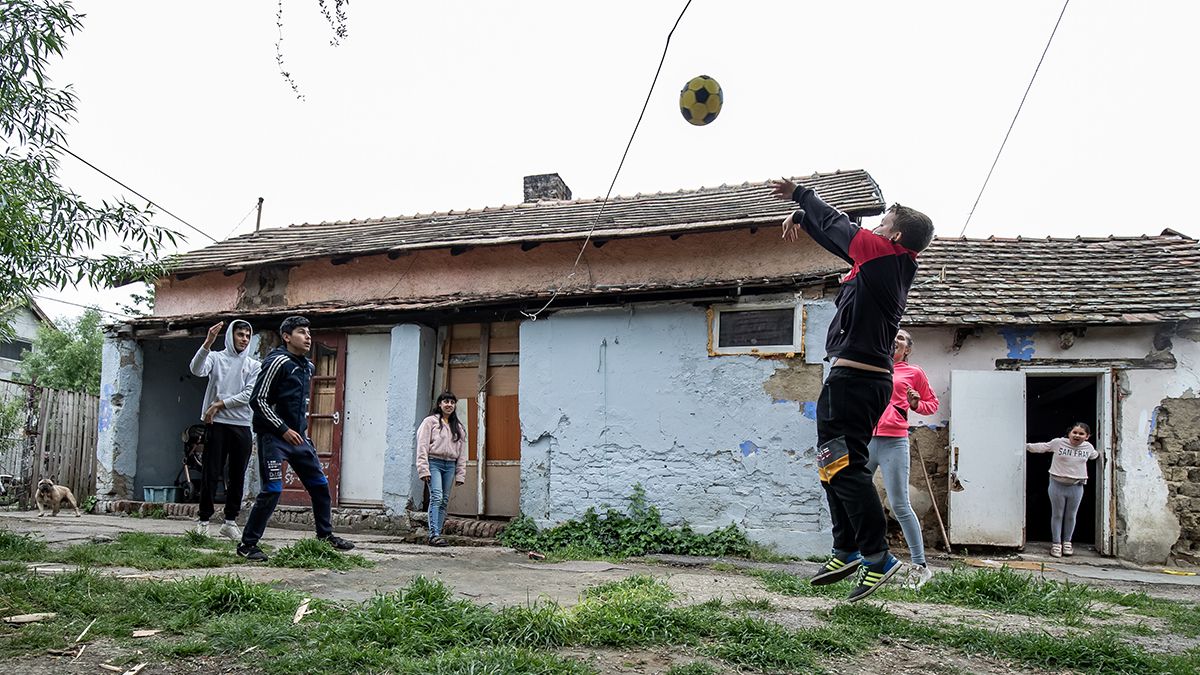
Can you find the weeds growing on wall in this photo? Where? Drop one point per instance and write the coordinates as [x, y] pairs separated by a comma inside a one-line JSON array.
[[639, 530]]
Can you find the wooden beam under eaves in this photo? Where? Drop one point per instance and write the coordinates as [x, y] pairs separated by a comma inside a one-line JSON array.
[[459, 250], [530, 245]]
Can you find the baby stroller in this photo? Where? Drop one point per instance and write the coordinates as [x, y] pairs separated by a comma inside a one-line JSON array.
[[192, 474]]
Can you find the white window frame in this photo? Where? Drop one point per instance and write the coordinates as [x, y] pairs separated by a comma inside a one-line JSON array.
[[796, 347]]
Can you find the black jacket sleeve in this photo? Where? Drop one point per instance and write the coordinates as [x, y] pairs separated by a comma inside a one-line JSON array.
[[265, 389], [830, 228]]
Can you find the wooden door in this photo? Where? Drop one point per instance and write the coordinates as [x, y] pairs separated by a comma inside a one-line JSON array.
[[326, 394], [488, 387]]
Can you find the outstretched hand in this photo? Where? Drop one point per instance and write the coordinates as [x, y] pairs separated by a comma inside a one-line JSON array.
[[791, 230], [213, 333], [783, 188]]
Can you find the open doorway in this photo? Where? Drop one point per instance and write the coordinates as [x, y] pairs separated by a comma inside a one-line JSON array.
[[1054, 403]]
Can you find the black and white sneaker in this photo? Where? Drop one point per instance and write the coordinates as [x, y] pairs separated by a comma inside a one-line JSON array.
[[337, 542], [251, 553]]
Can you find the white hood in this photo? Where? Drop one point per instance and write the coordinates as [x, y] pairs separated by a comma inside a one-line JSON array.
[[230, 376]]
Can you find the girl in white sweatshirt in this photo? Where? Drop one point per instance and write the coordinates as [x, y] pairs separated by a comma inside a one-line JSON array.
[[1068, 475]]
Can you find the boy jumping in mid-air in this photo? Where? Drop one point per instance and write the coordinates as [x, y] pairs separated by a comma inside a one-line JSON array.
[[859, 345]]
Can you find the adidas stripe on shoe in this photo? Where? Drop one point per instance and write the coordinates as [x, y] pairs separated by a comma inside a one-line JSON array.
[[873, 576], [835, 569]]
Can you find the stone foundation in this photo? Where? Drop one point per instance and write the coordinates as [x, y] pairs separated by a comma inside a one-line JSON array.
[[345, 519]]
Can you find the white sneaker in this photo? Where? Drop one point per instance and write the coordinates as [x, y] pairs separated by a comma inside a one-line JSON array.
[[1067, 548], [202, 528], [231, 531], [916, 576]]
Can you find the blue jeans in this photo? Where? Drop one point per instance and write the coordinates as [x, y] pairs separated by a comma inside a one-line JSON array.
[[891, 454], [441, 479]]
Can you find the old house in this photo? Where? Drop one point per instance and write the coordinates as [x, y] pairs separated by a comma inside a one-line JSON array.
[[683, 351], [24, 318]]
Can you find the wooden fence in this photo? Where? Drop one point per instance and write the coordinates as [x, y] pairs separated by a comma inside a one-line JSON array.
[[60, 441]]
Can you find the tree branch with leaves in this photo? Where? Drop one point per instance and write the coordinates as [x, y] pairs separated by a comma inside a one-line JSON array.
[[49, 235]]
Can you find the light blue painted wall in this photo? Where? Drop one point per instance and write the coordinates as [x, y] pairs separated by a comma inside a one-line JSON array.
[[118, 424], [611, 398], [410, 382]]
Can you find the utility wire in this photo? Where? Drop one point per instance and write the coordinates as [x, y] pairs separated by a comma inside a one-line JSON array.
[[532, 316], [1014, 119], [76, 304], [109, 176], [235, 227]]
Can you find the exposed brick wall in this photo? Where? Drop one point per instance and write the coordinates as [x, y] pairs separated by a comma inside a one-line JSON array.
[[1176, 444]]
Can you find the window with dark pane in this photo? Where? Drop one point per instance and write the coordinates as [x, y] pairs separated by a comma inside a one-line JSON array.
[[757, 328], [12, 350]]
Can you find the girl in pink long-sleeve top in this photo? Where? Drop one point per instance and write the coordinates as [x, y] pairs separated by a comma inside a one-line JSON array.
[[1068, 475], [888, 449], [441, 459]]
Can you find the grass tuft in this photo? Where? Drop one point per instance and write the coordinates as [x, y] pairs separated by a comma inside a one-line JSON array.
[[316, 554]]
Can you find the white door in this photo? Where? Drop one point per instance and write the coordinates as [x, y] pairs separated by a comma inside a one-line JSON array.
[[987, 458], [365, 429]]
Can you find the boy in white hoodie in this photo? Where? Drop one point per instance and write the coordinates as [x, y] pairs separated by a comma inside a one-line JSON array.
[[231, 373]]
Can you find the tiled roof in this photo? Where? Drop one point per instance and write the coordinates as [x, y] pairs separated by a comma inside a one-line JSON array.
[[1115, 280], [724, 207]]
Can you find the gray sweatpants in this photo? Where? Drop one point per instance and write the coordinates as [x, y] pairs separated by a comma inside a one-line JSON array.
[[1064, 503], [891, 454]]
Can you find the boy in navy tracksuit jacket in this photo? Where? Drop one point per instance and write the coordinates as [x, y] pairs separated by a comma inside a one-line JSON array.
[[859, 345], [280, 404]]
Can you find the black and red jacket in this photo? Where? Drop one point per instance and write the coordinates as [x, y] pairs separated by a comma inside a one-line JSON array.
[[874, 292]]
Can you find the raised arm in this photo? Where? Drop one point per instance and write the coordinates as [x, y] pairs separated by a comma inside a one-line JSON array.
[[827, 226]]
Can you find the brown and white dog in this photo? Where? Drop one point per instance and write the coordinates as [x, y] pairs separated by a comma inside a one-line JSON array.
[[52, 496]]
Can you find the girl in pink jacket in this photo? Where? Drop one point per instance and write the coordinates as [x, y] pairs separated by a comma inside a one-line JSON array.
[[441, 459], [888, 448], [1068, 475]]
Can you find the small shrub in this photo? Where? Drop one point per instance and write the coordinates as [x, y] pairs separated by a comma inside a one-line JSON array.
[[615, 534]]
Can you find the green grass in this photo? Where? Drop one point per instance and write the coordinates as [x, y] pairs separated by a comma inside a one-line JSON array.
[[693, 668], [316, 554], [998, 590], [1181, 618], [130, 549], [190, 550], [1098, 651], [423, 627]]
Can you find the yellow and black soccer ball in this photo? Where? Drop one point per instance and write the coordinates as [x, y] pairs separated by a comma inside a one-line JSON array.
[[700, 100]]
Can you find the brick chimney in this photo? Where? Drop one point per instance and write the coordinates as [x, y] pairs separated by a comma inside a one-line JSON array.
[[546, 187]]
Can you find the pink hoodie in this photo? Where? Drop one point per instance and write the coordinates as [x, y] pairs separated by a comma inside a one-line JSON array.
[[894, 421], [434, 439]]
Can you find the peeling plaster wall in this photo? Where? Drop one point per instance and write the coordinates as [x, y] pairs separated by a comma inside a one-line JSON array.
[[119, 419], [410, 386], [210, 292], [1146, 525], [612, 398]]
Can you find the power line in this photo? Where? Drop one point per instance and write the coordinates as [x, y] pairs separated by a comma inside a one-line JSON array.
[[532, 316], [1014, 119], [79, 305], [104, 173], [235, 227]]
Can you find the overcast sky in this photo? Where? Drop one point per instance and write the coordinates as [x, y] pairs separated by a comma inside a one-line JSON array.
[[438, 106]]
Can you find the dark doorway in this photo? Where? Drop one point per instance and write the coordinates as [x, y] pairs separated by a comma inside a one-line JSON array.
[[1053, 404]]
